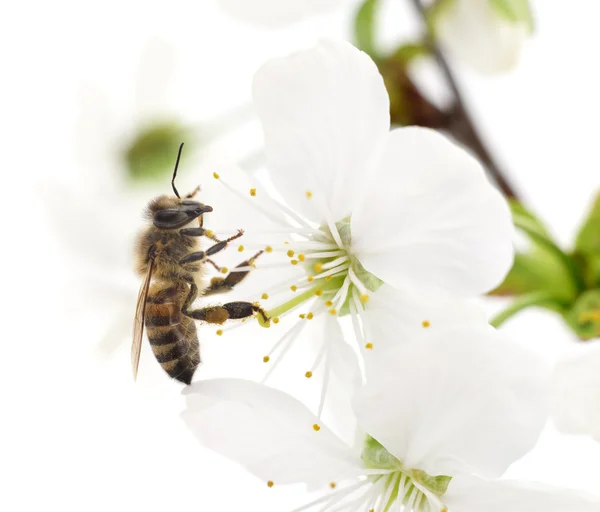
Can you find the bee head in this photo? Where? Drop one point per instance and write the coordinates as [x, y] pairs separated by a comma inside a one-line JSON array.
[[174, 212], [169, 212]]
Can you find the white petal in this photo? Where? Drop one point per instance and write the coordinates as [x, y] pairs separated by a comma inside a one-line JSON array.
[[270, 433], [431, 220], [324, 113], [469, 494], [392, 316], [577, 392], [476, 35], [275, 13], [456, 401]]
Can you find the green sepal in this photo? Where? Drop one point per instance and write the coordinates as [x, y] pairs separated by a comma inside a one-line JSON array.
[[588, 238], [584, 316], [514, 11], [523, 215], [375, 456], [438, 485], [364, 27], [152, 153]]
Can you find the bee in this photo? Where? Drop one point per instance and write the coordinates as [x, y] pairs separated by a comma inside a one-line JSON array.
[[170, 260]]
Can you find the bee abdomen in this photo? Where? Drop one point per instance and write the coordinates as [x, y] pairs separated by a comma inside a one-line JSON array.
[[174, 340]]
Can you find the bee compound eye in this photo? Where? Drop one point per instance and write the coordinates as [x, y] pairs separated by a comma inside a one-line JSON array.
[[170, 218]]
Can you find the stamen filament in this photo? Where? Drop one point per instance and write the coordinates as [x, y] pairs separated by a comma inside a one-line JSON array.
[[336, 262], [334, 496], [290, 336], [256, 205], [319, 255]]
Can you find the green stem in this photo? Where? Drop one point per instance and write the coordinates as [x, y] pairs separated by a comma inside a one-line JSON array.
[[544, 299]]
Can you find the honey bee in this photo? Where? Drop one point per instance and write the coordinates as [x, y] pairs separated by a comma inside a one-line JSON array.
[[169, 258]]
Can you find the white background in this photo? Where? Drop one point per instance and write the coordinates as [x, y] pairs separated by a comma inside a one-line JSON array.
[[77, 434]]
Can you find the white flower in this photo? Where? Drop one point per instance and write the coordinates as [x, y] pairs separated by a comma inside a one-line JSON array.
[[440, 419], [276, 13], [487, 35], [398, 225], [577, 392]]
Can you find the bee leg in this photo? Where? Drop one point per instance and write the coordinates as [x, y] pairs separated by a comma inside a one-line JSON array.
[[201, 255], [225, 284], [193, 192], [220, 314], [192, 231]]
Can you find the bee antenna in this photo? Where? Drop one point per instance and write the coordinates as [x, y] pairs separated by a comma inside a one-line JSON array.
[[175, 170]]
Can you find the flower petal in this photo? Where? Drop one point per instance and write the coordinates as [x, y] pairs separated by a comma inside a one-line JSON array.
[[270, 433], [275, 13], [392, 316], [577, 393], [470, 494], [478, 36], [431, 220], [461, 400], [324, 113]]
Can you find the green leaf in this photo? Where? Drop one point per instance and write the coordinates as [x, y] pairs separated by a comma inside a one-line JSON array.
[[539, 299], [588, 238], [364, 27], [530, 272], [408, 52], [438, 9], [151, 155], [584, 317], [525, 216], [525, 221], [514, 11]]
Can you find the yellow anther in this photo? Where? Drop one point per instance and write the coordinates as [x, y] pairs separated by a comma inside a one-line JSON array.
[[241, 248], [264, 296], [302, 315], [332, 485], [318, 293], [318, 267], [308, 375], [328, 303], [276, 320], [369, 346], [290, 253], [253, 192], [364, 298], [333, 311], [224, 270], [209, 233], [308, 194], [268, 248], [316, 427], [310, 279], [294, 262], [425, 323], [216, 176], [266, 359], [310, 316], [293, 287], [270, 483], [220, 332], [286, 243], [328, 278], [301, 257]]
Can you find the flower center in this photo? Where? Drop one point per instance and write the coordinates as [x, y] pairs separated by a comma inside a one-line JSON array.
[[414, 488], [334, 273]]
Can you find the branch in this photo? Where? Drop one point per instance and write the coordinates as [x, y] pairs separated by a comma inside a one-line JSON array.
[[464, 129]]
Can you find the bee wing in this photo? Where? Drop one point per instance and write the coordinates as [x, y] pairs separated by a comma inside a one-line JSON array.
[[138, 322]]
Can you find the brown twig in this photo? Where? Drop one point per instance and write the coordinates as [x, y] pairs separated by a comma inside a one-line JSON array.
[[462, 126]]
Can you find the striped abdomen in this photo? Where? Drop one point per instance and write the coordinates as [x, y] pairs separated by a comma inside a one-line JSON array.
[[172, 335]]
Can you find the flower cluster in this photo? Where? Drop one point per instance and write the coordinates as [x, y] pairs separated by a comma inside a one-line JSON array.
[[393, 233]]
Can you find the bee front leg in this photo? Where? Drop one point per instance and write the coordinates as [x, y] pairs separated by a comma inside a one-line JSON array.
[[202, 255], [225, 284]]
